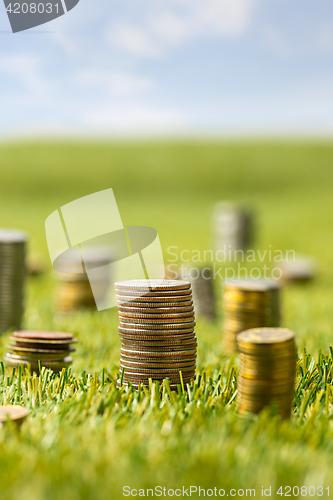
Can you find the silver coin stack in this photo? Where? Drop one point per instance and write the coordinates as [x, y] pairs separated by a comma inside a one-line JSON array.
[[201, 280], [232, 228], [12, 278]]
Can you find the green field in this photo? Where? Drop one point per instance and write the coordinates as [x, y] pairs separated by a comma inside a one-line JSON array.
[[85, 439]]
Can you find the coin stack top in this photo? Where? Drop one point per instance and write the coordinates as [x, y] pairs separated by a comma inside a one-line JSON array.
[[52, 349], [156, 329], [249, 304], [12, 278], [267, 370]]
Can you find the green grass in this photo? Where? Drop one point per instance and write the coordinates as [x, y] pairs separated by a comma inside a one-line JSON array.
[[86, 440]]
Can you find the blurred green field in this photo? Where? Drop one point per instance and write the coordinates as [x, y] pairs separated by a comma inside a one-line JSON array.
[[90, 444]]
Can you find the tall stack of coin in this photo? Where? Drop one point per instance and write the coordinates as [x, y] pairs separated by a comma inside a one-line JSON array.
[[203, 290], [52, 349], [12, 278], [233, 228], [249, 304], [156, 329], [267, 370], [74, 291]]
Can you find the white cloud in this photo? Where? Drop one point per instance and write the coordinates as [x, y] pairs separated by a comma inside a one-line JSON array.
[[139, 119], [276, 40], [175, 22], [114, 82], [325, 38], [26, 70], [133, 40]]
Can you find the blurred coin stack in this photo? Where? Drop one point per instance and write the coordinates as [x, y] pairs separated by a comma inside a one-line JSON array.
[[267, 370], [74, 290], [203, 290], [232, 227], [156, 329], [300, 270], [52, 349], [12, 278], [249, 304]]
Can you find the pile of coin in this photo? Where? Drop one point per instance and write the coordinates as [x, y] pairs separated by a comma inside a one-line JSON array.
[[52, 349], [74, 291], [156, 329], [12, 278], [203, 290], [249, 304], [267, 370], [232, 228]]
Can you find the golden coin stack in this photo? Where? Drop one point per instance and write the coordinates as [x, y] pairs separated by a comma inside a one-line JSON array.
[[12, 278], [156, 329], [249, 304], [267, 370], [74, 290], [52, 349]]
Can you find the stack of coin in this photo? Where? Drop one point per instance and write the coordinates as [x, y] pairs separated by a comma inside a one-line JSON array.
[[156, 329], [74, 291], [267, 370], [51, 349], [203, 290], [300, 270], [12, 278], [233, 228], [249, 304]]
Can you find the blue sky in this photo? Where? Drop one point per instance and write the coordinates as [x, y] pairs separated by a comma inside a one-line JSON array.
[[133, 67]]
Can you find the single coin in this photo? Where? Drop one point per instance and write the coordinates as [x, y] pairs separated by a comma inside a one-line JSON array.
[[14, 413], [153, 299], [164, 354], [136, 386], [43, 344], [157, 326], [150, 365], [157, 319], [154, 285], [154, 347], [157, 372], [266, 336], [175, 379], [154, 305], [162, 331], [159, 338], [251, 285], [150, 293], [39, 335], [157, 309]]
